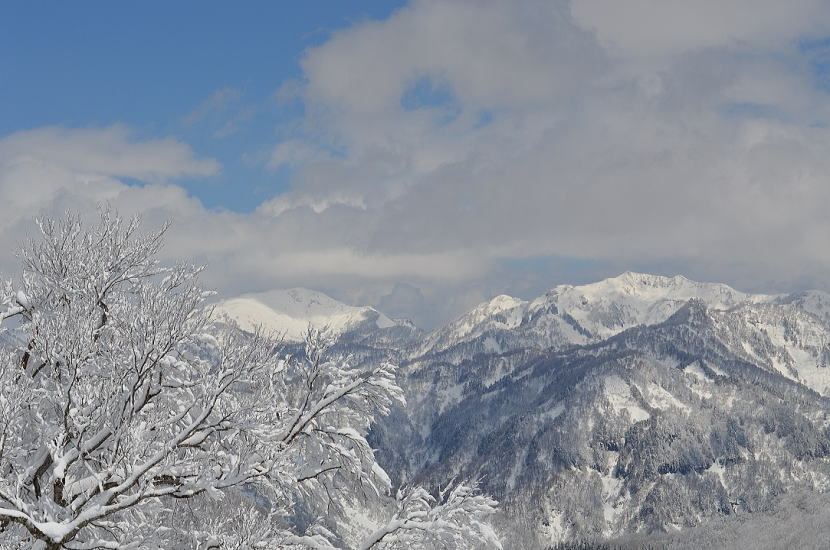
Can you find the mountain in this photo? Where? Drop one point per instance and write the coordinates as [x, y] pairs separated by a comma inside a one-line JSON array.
[[636, 404], [501, 314], [639, 406], [290, 312], [653, 429], [568, 315]]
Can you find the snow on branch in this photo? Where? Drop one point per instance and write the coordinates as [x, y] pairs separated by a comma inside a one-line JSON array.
[[129, 419], [457, 518]]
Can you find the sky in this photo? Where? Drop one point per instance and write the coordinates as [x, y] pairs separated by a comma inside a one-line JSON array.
[[425, 156]]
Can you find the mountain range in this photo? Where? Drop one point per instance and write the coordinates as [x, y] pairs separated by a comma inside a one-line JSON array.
[[640, 405]]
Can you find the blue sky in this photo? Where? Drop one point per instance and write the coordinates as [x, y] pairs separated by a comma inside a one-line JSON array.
[[430, 154], [152, 64]]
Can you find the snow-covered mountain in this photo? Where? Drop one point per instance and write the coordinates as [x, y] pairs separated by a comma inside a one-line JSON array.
[[502, 313], [290, 312], [608, 307], [569, 315], [784, 333], [638, 404]]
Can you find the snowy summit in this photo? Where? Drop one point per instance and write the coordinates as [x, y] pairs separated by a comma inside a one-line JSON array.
[[290, 312]]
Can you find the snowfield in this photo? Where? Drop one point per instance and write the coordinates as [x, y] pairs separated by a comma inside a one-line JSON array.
[[289, 313]]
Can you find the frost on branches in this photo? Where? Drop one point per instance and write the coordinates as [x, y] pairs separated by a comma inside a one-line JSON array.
[[130, 419]]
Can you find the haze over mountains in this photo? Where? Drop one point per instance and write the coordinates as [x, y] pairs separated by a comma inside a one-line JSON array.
[[638, 404]]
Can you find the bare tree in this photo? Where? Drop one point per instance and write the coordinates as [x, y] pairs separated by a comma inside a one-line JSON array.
[[130, 419]]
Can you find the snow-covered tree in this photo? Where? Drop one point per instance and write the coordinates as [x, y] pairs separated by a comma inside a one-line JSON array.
[[129, 418], [422, 522]]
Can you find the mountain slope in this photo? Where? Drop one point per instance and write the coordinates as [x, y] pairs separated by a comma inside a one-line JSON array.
[[578, 315], [639, 404], [290, 312], [657, 428]]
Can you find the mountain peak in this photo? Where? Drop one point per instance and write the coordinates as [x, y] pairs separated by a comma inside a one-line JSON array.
[[500, 303], [692, 312], [502, 312], [650, 288], [290, 312], [631, 280], [634, 277], [609, 306]]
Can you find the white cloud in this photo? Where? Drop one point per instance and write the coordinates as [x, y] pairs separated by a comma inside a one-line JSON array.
[[294, 153], [663, 135], [665, 28], [217, 102], [642, 132], [491, 54], [105, 151], [50, 170], [50, 167]]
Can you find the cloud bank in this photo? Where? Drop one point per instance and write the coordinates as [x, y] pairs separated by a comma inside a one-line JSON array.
[[462, 149]]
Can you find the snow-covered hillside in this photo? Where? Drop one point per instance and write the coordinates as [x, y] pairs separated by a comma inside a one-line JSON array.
[[290, 312], [578, 315], [709, 412], [639, 403], [616, 304], [501, 313]]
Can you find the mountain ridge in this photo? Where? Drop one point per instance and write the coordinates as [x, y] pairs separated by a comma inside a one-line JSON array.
[[637, 404], [289, 313]]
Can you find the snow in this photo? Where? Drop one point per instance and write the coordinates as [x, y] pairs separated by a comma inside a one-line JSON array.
[[502, 312], [290, 312], [699, 383], [775, 333], [659, 398], [749, 351], [54, 530], [784, 337], [516, 469], [799, 350], [585, 314], [618, 393], [22, 299], [714, 368], [718, 469], [814, 302], [696, 370], [612, 500], [449, 396], [555, 531], [491, 345], [610, 306], [552, 414]]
